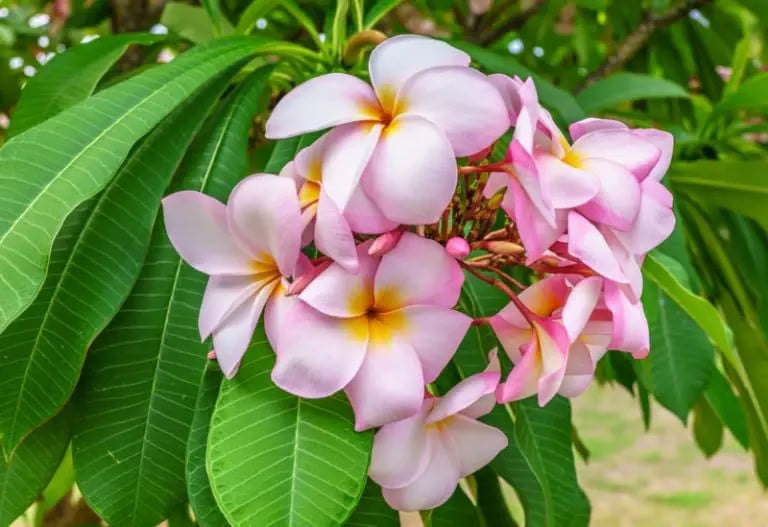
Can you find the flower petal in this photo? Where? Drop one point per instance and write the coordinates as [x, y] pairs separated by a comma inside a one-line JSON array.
[[318, 355], [553, 348], [399, 58], [523, 380], [564, 185], [417, 271], [348, 149], [433, 332], [618, 201], [389, 385], [263, 211], [580, 370], [581, 302], [338, 292], [333, 237], [464, 395], [197, 227], [655, 221], [433, 488], [474, 444], [364, 216], [586, 243], [461, 101], [630, 327], [325, 101], [224, 294], [401, 451], [275, 314], [621, 147], [412, 174], [233, 336], [665, 142], [593, 124], [536, 233]]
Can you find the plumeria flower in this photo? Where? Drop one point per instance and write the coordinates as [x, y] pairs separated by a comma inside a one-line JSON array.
[[418, 461], [426, 106], [380, 334], [247, 247], [325, 222], [558, 331]]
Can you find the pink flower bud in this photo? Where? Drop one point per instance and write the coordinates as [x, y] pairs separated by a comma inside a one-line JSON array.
[[212, 355], [385, 243], [457, 247]]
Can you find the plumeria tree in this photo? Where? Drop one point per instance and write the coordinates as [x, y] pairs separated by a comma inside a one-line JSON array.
[[326, 279]]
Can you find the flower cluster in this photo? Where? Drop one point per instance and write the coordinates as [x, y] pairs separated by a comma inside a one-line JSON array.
[[393, 222]]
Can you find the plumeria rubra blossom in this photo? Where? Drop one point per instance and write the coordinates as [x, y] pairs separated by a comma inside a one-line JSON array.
[[402, 135], [246, 247], [380, 333], [559, 329], [418, 461]]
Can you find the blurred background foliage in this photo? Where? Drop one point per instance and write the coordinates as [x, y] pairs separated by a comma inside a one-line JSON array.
[[698, 68]]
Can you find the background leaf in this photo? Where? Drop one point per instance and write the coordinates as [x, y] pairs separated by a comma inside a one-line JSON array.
[[458, 511], [372, 510], [707, 428], [276, 459], [626, 87]]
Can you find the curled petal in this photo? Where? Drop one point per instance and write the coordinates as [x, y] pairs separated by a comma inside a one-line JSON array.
[[412, 174], [263, 211], [618, 201], [586, 243], [417, 271], [536, 233], [275, 314], [224, 294], [593, 124], [581, 302], [348, 149], [197, 227], [655, 221], [665, 143], [461, 101], [630, 327], [523, 380], [464, 395], [553, 346], [474, 444], [364, 216], [580, 370], [333, 237], [323, 102]]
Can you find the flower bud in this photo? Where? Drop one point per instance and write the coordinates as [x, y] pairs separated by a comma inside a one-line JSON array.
[[212, 355], [300, 283], [504, 248], [385, 243], [457, 247]]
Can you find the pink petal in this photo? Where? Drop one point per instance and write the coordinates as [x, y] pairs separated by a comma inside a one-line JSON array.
[[580, 371], [474, 444], [461, 101], [434, 333], [618, 201], [527, 175], [546, 296], [389, 385], [233, 336], [338, 292], [412, 174], [513, 336], [655, 221], [592, 124], [435, 485], [417, 271], [333, 237], [509, 89], [401, 451], [580, 304], [276, 312], [317, 355], [536, 233], [553, 347], [464, 395], [586, 243], [399, 58], [224, 294], [263, 211], [622, 147], [364, 216], [630, 327], [197, 227], [564, 185], [523, 380], [665, 142], [323, 102], [485, 404], [496, 182]]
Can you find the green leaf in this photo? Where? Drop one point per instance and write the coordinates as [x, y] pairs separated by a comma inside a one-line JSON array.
[[192, 22], [91, 273], [378, 11], [31, 467], [750, 96], [458, 511], [275, 459], [491, 505], [668, 274], [82, 147], [286, 149], [339, 26], [372, 510], [539, 463], [137, 395], [256, 10], [626, 87], [60, 486], [213, 9], [726, 405], [556, 98], [70, 77], [201, 498], [681, 358], [707, 428], [740, 186]]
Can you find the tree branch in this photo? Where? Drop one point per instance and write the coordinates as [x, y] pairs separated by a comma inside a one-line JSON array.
[[499, 28], [635, 41]]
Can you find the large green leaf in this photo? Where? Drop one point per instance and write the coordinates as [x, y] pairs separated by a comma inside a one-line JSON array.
[[372, 510], [378, 11], [50, 169], [553, 97], [741, 186], [707, 428], [625, 87], [682, 357], [201, 498], [192, 22], [285, 150], [458, 511], [91, 275], [275, 459], [725, 404], [27, 472], [69, 78], [749, 96], [138, 390]]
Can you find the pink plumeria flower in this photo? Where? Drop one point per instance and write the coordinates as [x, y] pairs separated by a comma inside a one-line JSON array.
[[380, 334], [330, 226], [426, 106], [247, 247], [419, 461]]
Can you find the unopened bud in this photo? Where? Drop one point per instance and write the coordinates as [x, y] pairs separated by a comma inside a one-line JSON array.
[[300, 283], [457, 247], [212, 355], [385, 243], [503, 248]]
